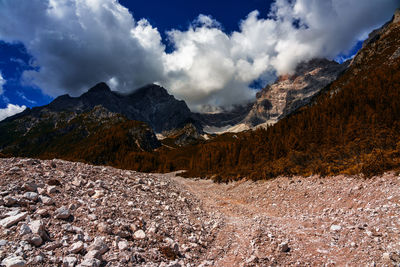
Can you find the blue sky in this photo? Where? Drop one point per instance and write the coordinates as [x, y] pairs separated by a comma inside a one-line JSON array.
[[204, 52], [13, 61], [166, 15]]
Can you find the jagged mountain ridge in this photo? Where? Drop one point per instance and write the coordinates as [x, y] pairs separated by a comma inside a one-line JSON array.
[[277, 100], [150, 104], [381, 48], [153, 105]]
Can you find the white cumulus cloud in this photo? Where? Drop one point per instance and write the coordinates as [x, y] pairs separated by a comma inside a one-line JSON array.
[[10, 110], [77, 43]]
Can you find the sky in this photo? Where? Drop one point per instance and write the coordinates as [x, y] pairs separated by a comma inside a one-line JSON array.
[[208, 53]]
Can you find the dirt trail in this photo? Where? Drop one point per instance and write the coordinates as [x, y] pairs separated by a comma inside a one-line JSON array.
[[332, 221], [233, 241]]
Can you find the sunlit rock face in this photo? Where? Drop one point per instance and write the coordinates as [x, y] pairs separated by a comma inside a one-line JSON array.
[[291, 92]]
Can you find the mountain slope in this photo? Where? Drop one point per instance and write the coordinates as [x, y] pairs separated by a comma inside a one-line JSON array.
[[97, 136]]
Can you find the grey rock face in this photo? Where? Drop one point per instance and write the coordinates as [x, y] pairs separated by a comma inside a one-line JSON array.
[[396, 18], [291, 92], [224, 118]]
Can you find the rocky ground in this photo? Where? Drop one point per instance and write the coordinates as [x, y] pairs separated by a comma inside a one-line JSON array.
[[332, 221], [58, 213]]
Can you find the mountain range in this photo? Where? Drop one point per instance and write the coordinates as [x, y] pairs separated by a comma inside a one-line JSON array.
[[153, 104], [119, 125]]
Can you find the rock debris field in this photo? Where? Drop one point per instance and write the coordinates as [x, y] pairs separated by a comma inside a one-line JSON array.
[[59, 213]]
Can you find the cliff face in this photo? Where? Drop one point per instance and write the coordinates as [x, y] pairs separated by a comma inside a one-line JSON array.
[[291, 92]]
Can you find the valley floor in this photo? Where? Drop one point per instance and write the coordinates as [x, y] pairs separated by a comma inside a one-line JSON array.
[[73, 214]]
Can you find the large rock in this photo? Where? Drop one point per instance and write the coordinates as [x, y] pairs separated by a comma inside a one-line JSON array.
[[76, 247], [29, 187], [69, 261], [9, 201], [14, 261], [99, 244], [52, 189], [139, 234], [32, 196], [104, 228], [37, 227], [24, 230], [284, 247], [335, 228], [123, 245], [46, 200], [90, 263], [35, 240], [11, 220], [93, 254], [62, 213]]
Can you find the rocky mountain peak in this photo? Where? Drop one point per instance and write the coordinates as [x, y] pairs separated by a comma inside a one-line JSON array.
[[279, 99], [291, 92], [152, 90], [100, 88], [304, 71]]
